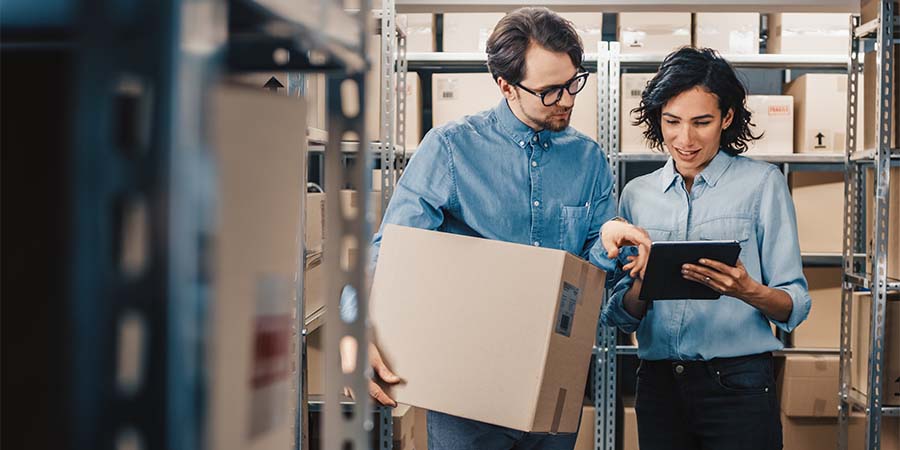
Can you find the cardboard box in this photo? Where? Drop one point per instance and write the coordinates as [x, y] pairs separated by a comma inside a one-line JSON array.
[[819, 203], [420, 33], [861, 316], [869, 10], [404, 418], [589, 27], [315, 363], [585, 439], [632, 136], [809, 34], [315, 221], [584, 113], [773, 117], [893, 243], [537, 309], [459, 94], [822, 329], [313, 284], [820, 113], [729, 33], [630, 431], [420, 431], [808, 385], [413, 132], [870, 101], [372, 110], [261, 165], [654, 33], [469, 32], [803, 433]]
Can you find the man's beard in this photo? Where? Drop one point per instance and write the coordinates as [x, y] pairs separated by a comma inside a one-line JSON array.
[[552, 123]]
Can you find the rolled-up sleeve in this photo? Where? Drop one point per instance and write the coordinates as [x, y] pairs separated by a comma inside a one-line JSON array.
[[780, 261], [618, 281]]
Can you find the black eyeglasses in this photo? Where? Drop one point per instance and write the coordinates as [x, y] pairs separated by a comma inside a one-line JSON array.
[[553, 95]]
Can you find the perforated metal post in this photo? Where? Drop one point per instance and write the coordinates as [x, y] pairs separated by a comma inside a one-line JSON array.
[[878, 273], [346, 323], [851, 237], [402, 69], [388, 94]]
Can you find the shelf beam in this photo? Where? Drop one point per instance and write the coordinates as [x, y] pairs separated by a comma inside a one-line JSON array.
[[610, 6]]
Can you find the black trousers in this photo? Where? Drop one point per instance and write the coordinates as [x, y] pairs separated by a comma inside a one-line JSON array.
[[721, 404]]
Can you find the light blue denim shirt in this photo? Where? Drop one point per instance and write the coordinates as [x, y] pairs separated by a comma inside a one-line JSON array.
[[489, 175], [734, 197]]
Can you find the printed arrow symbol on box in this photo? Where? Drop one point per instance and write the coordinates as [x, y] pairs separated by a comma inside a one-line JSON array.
[[273, 84], [819, 138]]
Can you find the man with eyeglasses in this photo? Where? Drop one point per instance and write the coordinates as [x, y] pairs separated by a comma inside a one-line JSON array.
[[516, 173]]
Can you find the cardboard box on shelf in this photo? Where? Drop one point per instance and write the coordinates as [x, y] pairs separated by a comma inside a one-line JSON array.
[[632, 136], [654, 33], [729, 33], [255, 261], [893, 242], [869, 9], [315, 363], [420, 432], [869, 101], [404, 421], [459, 94], [413, 132], [540, 314], [822, 329], [584, 114], [808, 385], [585, 439], [589, 27], [809, 34], [773, 117], [630, 432], [820, 113], [468, 32], [420, 33], [804, 433], [819, 203], [372, 112], [861, 315], [313, 283], [316, 98], [315, 221]]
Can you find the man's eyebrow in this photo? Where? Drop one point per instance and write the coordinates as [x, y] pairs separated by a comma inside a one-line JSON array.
[[548, 86]]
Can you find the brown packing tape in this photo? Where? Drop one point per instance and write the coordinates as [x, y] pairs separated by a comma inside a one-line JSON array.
[[582, 277], [557, 413]]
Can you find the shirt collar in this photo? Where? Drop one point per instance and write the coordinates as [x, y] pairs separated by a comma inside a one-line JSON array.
[[520, 133], [710, 175]]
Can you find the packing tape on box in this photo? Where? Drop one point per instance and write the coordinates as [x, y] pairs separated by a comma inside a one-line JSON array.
[[582, 275], [557, 413]]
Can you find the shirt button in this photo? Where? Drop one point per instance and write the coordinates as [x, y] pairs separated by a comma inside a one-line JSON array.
[[521, 142], [537, 203], [534, 164], [546, 145], [679, 369], [537, 244], [535, 138]]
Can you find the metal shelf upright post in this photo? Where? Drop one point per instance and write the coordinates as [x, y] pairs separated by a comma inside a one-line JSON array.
[[855, 274]]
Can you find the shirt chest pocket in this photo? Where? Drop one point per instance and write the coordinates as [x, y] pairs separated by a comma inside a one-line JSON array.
[[726, 229], [574, 223]]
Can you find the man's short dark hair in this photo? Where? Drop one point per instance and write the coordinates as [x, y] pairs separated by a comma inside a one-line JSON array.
[[517, 30], [686, 69]]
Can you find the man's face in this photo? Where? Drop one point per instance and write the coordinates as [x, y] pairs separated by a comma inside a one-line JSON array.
[[543, 69]]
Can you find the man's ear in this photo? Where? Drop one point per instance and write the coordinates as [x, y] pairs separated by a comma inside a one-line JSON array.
[[508, 90]]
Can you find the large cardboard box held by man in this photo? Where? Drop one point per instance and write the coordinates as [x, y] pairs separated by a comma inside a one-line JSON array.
[[502, 332]]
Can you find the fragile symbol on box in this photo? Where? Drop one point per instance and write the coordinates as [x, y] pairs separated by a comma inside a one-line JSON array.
[[779, 110]]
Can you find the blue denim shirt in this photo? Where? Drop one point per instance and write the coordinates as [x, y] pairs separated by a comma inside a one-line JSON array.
[[489, 175], [732, 198]]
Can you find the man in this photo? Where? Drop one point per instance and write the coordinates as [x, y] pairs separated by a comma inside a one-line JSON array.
[[516, 173]]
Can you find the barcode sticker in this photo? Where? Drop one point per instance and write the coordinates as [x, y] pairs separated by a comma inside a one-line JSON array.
[[566, 314]]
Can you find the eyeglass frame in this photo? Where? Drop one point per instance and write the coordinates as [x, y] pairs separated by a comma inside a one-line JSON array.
[[582, 73]]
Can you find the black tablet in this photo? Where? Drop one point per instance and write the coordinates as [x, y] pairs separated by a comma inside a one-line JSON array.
[[663, 279]]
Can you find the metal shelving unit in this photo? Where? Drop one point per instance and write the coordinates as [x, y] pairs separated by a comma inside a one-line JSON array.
[[436, 6], [856, 277]]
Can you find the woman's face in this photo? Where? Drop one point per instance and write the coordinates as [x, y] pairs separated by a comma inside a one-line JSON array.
[[692, 129]]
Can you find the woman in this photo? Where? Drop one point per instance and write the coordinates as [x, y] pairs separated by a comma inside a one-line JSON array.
[[706, 379]]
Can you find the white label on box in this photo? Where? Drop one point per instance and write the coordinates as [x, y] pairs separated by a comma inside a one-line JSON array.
[[566, 313], [634, 39], [447, 89]]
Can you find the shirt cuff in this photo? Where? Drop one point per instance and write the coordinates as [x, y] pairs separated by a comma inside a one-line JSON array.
[[800, 310], [618, 282]]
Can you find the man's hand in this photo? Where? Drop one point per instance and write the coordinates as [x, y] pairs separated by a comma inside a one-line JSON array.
[[616, 234], [380, 370]]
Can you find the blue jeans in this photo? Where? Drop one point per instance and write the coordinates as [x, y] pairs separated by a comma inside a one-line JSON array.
[[721, 404], [446, 432]]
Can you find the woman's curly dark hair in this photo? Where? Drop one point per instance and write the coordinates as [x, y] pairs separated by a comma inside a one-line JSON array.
[[683, 70]]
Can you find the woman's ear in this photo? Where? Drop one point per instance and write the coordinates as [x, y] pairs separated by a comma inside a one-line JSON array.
[[729, 117]]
